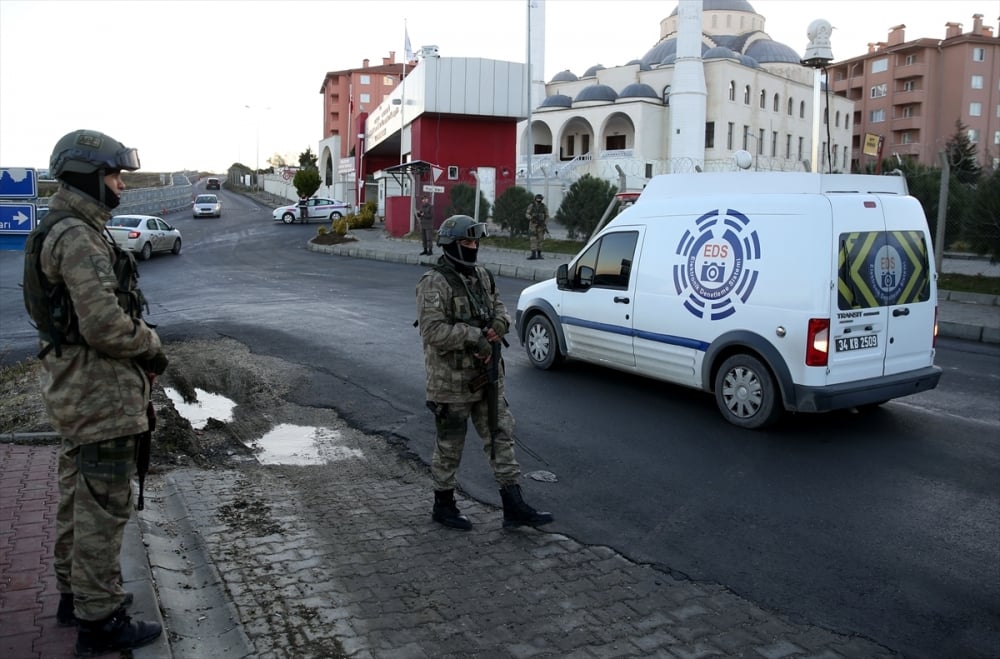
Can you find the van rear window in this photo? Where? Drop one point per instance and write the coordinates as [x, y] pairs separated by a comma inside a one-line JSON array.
[[882, 268]]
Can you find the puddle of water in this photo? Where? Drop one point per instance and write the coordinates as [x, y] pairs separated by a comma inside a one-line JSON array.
[[207, 405], [289, 444]]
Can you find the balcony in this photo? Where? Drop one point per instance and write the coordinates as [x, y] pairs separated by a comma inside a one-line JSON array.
[[900, 97], [907, 123]]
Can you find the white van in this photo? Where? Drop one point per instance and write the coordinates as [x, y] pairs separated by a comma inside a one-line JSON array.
[[774, 291]]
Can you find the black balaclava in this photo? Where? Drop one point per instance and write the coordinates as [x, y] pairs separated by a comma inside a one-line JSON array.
[[93, 185], [462, 258]]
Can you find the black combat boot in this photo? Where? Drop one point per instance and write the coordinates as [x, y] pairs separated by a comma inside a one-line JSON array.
[[64, 614], [533, 255], [518, 513], [116, 632], [446, 512], [539, 252]]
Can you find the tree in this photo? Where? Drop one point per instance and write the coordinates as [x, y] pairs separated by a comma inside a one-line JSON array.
[[306, 182], [307, 159], [462, 202], [276, 161], [584, 205], [983, 225], [509, 211], [961, 154]]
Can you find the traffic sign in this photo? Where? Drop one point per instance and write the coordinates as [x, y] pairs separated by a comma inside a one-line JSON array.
[[16, 219], [433, 188], [18, 182]]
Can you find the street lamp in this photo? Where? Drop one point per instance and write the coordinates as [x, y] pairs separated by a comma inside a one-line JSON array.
[[256, 171]]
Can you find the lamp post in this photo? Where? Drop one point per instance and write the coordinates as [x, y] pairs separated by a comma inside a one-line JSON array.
[[256, 165]]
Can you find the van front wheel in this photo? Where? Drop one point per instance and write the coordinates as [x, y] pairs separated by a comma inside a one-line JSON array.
[[746, 394], [541, 343]]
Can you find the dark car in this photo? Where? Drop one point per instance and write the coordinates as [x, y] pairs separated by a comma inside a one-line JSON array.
[[213, 184]]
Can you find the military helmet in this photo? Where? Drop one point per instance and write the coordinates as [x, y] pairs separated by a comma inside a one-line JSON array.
[[460, 227], [87, 151], [538, 197]]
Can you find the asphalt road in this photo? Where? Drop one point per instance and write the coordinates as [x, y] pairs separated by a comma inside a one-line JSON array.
[[884, 524]]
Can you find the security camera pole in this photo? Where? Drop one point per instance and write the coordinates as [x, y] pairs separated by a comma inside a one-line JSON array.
[[818, 55]]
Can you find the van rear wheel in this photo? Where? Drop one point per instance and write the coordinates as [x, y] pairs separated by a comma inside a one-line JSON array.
[[746, 393], [541, 343]]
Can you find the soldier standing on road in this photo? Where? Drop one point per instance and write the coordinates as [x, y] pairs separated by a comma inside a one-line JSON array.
[[538, 216], [99, 361], [425, 217], [461, 316]]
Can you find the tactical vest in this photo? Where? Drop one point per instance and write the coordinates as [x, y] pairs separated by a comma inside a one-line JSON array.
[[480, 306], [49, 305]]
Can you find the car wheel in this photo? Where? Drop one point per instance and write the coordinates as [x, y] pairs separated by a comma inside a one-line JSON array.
[[746, 393], [287, 218], [177, 247], [146, 252], [541, 344], [335, 215]]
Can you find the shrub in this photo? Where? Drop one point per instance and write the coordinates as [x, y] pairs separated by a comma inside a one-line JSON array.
[[509, 211], [462, 202], [584, 204]]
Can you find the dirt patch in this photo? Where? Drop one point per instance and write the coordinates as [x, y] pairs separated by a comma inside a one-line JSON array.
[[331, 238]]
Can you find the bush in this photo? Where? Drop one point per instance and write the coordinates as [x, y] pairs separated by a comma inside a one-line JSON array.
[[584, 205], [463, 202], [983, 224], [509, 211]]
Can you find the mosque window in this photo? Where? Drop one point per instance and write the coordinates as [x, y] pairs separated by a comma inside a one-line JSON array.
[[802, 109], [791, 105], [729, 135], [746, 95], [777, 103], [709, 134], [763, 99], [732, 90]]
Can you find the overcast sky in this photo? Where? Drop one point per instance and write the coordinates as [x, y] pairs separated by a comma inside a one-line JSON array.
[[173, 77]]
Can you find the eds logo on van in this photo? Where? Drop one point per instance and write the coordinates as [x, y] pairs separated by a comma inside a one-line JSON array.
[[718, 270]]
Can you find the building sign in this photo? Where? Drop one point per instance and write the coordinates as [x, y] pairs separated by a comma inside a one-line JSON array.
[[872, 144]]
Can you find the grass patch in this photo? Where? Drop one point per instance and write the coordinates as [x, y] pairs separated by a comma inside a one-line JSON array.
[[969, 283]]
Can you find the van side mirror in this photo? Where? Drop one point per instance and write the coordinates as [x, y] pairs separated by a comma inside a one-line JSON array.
[[585, 277], [561, 275]]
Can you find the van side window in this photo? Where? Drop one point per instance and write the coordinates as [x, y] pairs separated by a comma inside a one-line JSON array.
[[882, 268], [610, 259]]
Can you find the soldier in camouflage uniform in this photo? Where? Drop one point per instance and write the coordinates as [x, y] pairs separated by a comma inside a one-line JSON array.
[[99, 360], [538, 217], [461, 316]]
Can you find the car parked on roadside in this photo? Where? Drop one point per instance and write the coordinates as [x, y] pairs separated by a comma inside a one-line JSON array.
[[206, 205], [144, 234], [317, 208]]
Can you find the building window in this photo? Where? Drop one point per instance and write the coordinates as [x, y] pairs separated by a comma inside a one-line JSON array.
[[777, 103], [788, 145], [729, 135], [836, 120], [845, 158], [746, 95], [911, 59], [878, 91], [746, 137], [732, 90], [365, 98], [763, 99], [880, 65], [977, 82], [905, 138], [760, 142], [666, 96], [365, 79], [975, 109], [978, 54], [800, 149], [709, 134], [774, 143], [908, 111], [847, 121], [802, 109], [388, 81], [909, 86], [791, 105], [876, 116], [996, 137], [974, 135]]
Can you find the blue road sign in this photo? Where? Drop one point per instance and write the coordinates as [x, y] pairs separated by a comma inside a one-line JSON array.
[[18, 182], [16, 218]]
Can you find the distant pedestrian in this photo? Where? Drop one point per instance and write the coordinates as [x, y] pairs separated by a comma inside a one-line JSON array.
[[462, 322], [425, 218], [99, 360], [538, 216]]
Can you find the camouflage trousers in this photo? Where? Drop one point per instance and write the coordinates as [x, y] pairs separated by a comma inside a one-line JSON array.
[[536, 234], [95, 503], [451, 429]]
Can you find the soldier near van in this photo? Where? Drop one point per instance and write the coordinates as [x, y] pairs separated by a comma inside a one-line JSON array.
[[538, 217], [425, 219], [462, 323], [99, 361]]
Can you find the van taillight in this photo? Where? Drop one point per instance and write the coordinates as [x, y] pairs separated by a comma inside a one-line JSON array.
[[934, 340], [818, 342]]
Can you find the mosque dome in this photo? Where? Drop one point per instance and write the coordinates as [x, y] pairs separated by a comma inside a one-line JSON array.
[[642, 67], [746, 60], [564, 76], [723, 5], [719, 52], [601, 93], [557, 101], [592, 71], [765, 50], [638, 90]]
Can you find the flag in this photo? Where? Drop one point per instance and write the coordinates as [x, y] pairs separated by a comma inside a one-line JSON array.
[[407, 48]]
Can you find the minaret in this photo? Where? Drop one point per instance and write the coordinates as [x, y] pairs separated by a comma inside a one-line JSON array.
[[688, 97], [536, 52]]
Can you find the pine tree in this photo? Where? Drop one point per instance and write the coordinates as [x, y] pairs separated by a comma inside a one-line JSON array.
[[962, 155]]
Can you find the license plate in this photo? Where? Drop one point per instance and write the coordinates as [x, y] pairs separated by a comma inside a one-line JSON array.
[[857, 342]]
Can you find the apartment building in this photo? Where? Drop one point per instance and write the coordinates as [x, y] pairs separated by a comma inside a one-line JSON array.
[[910, 94]]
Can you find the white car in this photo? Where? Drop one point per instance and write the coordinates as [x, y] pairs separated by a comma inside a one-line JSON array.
[[206, 205], [318, 209], [144, 234]]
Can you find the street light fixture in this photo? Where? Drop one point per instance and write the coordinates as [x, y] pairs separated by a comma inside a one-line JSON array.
[[256, 171]]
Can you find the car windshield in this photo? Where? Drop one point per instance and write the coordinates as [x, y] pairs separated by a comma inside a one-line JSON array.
[[206, 199], [122, 221]]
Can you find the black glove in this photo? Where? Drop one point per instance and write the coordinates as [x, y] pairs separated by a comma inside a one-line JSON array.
[[156, 364]]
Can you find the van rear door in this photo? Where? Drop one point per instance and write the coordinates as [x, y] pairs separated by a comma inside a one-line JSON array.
[[907, 270], [858, 317]]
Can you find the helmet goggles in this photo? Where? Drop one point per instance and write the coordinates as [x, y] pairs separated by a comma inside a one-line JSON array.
[[125, 158]]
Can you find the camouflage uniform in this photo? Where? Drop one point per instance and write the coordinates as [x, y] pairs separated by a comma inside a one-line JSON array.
[[96, 396], [538, 216], [425, 218], [450, 333]]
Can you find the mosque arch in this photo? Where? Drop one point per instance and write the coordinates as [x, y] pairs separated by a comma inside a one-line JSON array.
[[618, 132], [576, 138]]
